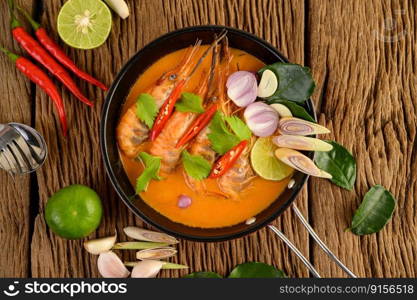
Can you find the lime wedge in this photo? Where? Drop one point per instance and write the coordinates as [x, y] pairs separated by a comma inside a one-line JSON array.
[[84, 24], [264, 162]]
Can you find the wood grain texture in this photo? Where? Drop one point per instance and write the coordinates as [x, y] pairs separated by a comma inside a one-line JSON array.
[[52, 256], [14, 193], [361, 55]]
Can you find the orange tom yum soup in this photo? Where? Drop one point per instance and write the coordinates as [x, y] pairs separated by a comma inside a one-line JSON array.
[[210, 206]]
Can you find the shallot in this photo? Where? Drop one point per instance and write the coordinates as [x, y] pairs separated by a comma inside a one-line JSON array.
[[261, 119], [184, 201], [110, 266], [242, 88], [147, 269]]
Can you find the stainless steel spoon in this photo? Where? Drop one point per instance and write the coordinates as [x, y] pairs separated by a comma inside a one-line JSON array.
[[22, 148]]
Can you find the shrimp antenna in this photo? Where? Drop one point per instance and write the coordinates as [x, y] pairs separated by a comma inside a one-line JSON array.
[[216, 41]]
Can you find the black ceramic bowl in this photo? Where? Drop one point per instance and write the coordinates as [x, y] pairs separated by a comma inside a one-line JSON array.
[[111, 114]]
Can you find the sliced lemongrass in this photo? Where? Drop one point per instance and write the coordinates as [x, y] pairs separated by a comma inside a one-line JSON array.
[[282, 110], [120, 7], [147, 269], [301, 143], [150, 236], [156, 253], [100, 245], [300, 162], [296, 126], [110, 266], [165, 266], [268, 84], [138, 245]]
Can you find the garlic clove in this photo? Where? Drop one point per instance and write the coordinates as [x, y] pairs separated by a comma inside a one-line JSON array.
[[301, 143], [157, 253], [268, 84], [120, 7], [300, 162], [147, 269], [100, 245], [296, 126], [110, 266], [147, 235], [282, 110]]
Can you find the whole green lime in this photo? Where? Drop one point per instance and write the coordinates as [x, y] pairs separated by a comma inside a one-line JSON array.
[[74, 211]]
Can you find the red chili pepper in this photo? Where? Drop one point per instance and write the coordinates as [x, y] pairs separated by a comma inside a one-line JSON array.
[[198, 125], [166, 110], [40, 78], [58, 53], [227, 161], [42, 56]]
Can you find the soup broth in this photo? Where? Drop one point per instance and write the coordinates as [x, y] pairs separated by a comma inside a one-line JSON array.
[[206, 210]]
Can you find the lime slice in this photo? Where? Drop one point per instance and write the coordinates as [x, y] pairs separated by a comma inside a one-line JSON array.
[[264, 162], [84, 24]]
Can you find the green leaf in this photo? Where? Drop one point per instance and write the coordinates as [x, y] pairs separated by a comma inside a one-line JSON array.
[[339, 163], [146, 109], [374, 212], [222, 140], [195, 165], [295, 82], [256, 270], [151, 171], [297, 110], [239, 127], [190, 102], [203, 275]]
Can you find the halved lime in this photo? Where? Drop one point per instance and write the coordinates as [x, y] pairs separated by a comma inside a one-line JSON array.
[[264, 162], [74, 211], [84, 24]]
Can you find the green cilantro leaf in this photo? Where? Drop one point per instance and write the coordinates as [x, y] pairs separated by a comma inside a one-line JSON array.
[[151, 171], [239, 127], [222, 140], [190, 102], [195, 165], [146, 109]]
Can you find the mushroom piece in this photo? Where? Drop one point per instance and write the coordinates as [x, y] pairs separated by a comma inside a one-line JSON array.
[[301, 143], [300, 162], [296, 126]]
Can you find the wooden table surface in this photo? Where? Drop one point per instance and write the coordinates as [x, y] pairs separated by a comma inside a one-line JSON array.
[[363, 58]]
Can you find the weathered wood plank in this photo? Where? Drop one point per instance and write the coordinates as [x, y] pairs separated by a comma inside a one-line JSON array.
[[14, 194], [361, 54], [78, 158]]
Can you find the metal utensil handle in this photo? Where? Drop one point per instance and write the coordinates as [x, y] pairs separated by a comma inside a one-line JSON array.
[[321, 243], [295, 250]]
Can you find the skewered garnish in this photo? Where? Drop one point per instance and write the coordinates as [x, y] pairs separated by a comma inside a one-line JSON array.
[[198, 125], [242, 88], [301, 143], [282, 110], [223, 164], [184, 201], [146, 109], [264, 162], [156, 253], [190, 102], [195, 165], [110, 266], [268, 84], [300, 162], [261, 118], [120, 7], [100, 245], [152, 165], [147, 235], [295, 126]]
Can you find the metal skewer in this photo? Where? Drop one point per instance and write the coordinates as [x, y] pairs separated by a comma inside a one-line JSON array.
[[319, 242]]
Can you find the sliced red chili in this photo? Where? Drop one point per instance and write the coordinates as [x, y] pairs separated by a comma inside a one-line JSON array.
[[198, 125], [224, 163], [166, 110]]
